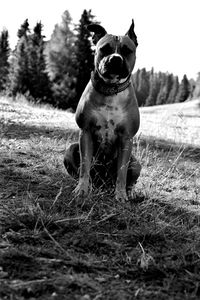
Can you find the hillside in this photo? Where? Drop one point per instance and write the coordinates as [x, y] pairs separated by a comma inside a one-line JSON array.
[[51, 248], [178, 123]]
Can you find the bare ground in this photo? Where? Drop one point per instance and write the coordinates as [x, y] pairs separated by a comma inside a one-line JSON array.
[[51, 248]]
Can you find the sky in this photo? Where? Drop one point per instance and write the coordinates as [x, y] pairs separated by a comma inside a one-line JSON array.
[[168, 31]]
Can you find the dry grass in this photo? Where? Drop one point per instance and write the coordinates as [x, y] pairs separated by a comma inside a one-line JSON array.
[[51, 248], [179, 123]]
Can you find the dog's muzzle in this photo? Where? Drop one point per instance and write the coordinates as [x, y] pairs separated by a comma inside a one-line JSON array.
[[113, 65]]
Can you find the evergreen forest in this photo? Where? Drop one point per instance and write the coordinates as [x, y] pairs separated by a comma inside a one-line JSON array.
[[56, 71]]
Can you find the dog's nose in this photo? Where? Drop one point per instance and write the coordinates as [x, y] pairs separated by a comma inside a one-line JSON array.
[[115, 63], [115, 60]]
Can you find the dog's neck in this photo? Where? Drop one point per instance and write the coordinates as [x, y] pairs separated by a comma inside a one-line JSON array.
[[108, 89]]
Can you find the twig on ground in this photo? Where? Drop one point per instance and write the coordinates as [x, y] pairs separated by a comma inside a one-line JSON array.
[[107, 218], [57, 196]]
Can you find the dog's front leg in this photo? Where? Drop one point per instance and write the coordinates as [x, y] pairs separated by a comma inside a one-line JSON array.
[[124, 154], [86, 152]]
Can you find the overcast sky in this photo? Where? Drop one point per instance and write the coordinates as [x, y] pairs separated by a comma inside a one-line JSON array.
[[168, 31]]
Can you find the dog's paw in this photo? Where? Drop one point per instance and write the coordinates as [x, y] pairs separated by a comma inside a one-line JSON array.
[[120, 195], [82, 189], [131, 193]]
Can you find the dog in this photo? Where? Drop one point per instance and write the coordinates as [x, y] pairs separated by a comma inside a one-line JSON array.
[[108, 117]]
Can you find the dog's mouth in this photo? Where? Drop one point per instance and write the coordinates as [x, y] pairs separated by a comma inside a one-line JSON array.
[[113, 69], [110, 76]]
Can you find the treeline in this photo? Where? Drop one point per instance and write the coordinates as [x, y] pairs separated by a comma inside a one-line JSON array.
[[161, 88], [54, 72], [57, 71]]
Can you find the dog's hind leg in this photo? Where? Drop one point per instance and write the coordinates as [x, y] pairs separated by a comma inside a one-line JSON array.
[[133, 173], [72, 160]]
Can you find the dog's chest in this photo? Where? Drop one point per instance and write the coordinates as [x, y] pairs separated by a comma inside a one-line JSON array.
[[108, 118]]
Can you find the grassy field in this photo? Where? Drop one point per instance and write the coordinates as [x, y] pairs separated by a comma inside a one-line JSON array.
[[179, 123], [50, 248]]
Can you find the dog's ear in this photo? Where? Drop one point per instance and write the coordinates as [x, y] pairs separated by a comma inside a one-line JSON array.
[[98, 31], [131, 34]]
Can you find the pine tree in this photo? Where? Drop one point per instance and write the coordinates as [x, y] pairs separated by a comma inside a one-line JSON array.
[[166, 88], [154, 90], [84, 54], [19, 75], [39, 82], [184, 90], [196, 92], [143, 87], [163, 93], [174, 90], [60, 61], [4, 55], [28, 71], [24, 30]]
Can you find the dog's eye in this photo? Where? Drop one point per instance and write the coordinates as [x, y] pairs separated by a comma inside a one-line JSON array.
[[106, 50], [126, 50]]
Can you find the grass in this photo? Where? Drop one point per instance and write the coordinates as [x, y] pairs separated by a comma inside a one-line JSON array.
[[178, 122], [50, 248]]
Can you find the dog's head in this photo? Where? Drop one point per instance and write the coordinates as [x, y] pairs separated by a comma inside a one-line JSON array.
[[115, 55]]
